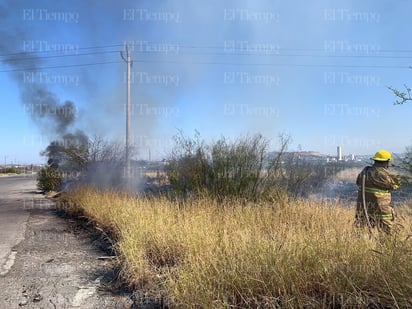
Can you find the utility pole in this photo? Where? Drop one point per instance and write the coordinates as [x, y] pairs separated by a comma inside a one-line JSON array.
[[127, 58]]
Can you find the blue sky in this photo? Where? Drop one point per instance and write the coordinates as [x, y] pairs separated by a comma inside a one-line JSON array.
[[316, 70]]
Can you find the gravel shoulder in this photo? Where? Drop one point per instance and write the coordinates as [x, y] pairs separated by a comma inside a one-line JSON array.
[[59, 264]]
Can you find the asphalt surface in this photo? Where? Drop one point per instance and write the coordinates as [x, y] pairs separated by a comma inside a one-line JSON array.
[[48, 261], [17, 194]]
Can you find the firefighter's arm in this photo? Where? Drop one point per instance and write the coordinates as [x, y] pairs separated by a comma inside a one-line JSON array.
[[385, 180], [396, 182], [393, 181]]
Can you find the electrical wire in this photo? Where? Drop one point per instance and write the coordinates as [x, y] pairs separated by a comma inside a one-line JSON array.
[[180, 61], [237, 51], [50, 51], [60, 56], [60, 66], [213, 63]]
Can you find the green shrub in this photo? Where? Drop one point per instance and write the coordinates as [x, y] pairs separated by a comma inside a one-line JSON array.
[[48, 179], [12, 170], [242, 168]]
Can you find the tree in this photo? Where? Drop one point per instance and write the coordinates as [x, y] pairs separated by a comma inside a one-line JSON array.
[[406, 162], [68, 154], [403, 97], [94, 161]]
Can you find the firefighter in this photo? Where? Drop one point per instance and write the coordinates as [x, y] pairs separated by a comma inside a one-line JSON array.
[[375, 184]]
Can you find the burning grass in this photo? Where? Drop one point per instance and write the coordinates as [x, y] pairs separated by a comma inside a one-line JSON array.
[[206, 254]]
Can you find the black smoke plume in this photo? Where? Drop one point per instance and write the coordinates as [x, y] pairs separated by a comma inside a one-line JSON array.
[[90, 160], [55, 118]]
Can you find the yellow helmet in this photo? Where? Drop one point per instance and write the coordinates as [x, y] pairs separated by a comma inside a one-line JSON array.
[[382, 155]]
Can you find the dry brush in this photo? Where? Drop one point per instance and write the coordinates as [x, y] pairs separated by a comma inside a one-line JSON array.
[[205, 253]]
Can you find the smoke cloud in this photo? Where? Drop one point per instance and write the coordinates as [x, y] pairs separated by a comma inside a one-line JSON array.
[[54, 117], [40, 103]]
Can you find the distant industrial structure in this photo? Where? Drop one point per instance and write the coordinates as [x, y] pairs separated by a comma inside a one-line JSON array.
[[339, 154]]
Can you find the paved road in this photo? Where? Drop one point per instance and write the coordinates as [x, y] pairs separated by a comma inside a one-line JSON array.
[[48, 261], [17, 195]]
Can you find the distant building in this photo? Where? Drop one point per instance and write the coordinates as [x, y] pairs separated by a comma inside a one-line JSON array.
[[339, 153]]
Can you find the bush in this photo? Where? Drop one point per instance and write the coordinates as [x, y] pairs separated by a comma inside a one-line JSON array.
[[244, 169], [48, 179], [240, 169], [12, 170]]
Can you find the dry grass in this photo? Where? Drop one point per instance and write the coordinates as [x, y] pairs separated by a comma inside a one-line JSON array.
[[210, 255]]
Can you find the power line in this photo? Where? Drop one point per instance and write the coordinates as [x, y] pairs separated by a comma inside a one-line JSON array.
[[51, 51], [59, 66], [289, 55], [244, 50], [236, 51], [216, 63], [149, 43], [61, 56], [277, 54], [277, 64], [217, 54]]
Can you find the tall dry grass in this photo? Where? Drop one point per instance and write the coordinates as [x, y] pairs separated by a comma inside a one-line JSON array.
[[206, 254]]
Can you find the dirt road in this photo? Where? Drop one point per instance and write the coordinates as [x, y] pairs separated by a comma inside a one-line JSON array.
[[47, 261]]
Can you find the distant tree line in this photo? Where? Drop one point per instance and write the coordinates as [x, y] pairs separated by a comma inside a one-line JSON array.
[[12, 170]]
